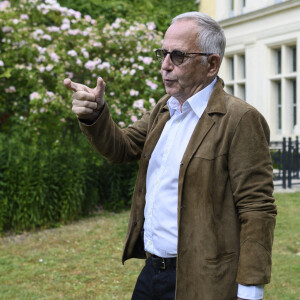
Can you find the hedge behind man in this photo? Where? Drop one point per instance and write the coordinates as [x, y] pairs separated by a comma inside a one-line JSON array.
[[202, 212]]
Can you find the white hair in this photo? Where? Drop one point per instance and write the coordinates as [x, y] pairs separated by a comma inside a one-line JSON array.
[[211, 37]]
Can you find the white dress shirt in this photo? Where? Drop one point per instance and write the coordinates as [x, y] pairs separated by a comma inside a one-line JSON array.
[[160, 227]]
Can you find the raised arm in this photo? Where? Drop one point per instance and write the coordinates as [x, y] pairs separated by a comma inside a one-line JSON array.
[[115, 144]]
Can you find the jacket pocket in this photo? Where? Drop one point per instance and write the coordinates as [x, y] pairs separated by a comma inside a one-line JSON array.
[[222, 267], [222, 258]]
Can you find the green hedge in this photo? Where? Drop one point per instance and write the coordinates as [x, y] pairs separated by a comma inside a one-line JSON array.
[[38, 185], [45, 186], [48, 172]]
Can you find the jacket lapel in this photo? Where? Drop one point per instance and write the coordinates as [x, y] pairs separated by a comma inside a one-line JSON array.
[[156, 129], [202, 128], [215, 105]]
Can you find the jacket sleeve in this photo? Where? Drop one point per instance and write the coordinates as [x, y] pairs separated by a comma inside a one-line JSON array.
[[251, 176], [115, 144]]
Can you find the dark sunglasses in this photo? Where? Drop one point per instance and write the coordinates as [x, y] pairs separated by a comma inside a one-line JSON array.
[[177, 56]]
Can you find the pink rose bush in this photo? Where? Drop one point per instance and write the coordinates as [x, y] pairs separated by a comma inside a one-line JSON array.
[[42, 43]]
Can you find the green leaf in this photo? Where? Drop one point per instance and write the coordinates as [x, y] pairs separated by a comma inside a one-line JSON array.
[[7, 73]]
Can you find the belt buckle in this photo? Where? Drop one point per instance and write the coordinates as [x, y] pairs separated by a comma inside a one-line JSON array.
[[163, 262]]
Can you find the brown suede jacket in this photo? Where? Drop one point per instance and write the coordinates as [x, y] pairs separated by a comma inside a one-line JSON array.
[[226, 211]]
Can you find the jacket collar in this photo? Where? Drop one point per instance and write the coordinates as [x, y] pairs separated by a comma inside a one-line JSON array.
[[197, 102], [216, 102]]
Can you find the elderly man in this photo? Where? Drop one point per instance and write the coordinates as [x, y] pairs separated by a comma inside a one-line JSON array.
[[202, 213]]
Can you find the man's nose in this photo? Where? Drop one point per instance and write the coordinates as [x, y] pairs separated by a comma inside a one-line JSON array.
[[167, 63]]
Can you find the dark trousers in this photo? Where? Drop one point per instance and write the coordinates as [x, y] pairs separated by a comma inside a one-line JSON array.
[[155, 284]]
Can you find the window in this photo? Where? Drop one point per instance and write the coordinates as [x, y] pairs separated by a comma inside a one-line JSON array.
[[278, 60], [293, 56], [242, 64], [242, 91], [235, 78], [230, 89], [284, 88], [232, 5], [231, 67], [231, 8], [279, 105], [294, 102]]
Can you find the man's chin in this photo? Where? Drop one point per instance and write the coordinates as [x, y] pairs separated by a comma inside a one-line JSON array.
[[170, 91]]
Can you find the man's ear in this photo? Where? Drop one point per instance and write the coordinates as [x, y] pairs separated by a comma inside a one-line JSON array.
[[213, 64]]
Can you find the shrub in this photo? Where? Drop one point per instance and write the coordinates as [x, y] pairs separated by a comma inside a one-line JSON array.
[[39, 186], [160, 12], [48, 172], [44, 43]]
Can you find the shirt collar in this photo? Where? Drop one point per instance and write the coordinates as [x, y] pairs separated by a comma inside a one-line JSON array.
[[197, 102]]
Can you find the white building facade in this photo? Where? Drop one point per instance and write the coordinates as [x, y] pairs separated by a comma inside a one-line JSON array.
[[262, 59]]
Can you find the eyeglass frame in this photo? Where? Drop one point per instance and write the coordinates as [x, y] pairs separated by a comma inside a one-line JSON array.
[[185, 54]]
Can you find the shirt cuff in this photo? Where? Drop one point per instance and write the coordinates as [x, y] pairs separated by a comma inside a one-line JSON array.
[[251, 292]]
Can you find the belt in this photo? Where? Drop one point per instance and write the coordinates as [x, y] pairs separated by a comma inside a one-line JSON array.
[[161, 263]]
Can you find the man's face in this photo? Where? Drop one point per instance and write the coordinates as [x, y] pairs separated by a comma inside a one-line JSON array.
[[191, 76]]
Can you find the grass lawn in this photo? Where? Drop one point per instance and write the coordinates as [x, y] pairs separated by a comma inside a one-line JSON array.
[[285, 281], [83, 260]]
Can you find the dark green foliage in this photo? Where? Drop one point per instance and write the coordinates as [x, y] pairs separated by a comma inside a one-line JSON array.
[[159, 12], [43, 185], [117, 184]]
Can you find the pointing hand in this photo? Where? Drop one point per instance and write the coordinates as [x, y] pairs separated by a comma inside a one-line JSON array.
[[87, 102]]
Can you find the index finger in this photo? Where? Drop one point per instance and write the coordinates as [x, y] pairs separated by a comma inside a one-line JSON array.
[[75, 87]]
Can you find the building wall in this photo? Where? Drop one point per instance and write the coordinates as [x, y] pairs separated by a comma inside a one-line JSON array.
[[262, 58], [208, 7], [231, 8]]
